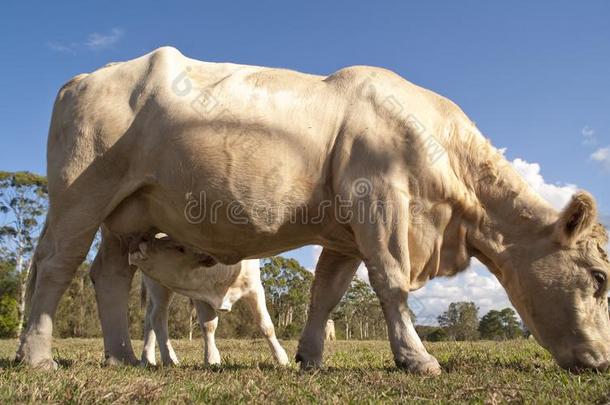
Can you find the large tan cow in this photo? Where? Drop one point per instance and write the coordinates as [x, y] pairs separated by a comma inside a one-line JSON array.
[[243, 162]]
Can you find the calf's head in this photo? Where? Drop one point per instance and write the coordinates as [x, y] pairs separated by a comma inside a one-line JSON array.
[[559, 285], [160, 253]]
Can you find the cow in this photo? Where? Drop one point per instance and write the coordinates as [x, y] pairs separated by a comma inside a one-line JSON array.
[[329, 330], [169, 267], [240, 162]]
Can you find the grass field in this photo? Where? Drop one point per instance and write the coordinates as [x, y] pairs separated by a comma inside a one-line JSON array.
[[356, 372]]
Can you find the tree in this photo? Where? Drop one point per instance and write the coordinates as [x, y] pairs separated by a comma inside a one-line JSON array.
[[23, 201], [491, 326], [8, 316], [500, 325], [360, 308], [287, 286], [460, 321], [512, 325]]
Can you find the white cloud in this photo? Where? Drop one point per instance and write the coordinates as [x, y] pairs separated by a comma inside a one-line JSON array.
[[97, 41], [94, 42], [588, 135], [62, 48], [602, 155], [475, 284], [557, 195]]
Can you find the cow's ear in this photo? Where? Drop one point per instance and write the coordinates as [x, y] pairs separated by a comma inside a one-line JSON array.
[[577, 218]]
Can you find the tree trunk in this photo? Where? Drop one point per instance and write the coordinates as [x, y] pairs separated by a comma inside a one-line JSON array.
[[24, 282], [346, 329], [80, 322], [192, 324]]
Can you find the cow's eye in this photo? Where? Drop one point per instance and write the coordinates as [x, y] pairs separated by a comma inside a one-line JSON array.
[[180, 249], [600, 278]]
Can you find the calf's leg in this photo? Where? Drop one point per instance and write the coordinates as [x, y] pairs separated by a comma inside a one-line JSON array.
[[258, 307], [208, 321], [149, 357], [161, 298]]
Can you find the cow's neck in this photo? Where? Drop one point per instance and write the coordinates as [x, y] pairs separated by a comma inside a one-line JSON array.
[[504, 211]]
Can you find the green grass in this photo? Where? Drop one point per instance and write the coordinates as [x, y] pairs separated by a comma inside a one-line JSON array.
[[356, 372]]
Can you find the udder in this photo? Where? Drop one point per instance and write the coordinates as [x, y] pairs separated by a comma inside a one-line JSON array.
[[131, 217]]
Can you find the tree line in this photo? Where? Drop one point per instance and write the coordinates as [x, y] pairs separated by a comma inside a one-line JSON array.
[[23, 203]]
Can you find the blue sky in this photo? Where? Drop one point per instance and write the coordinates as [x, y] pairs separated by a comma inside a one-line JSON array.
[[535, 76]]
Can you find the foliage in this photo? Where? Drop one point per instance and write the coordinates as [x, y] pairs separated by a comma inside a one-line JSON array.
[[287, 286], [359, 307], [9, 316], [9, 279], [23, 201], [460, 321], [500, 325]]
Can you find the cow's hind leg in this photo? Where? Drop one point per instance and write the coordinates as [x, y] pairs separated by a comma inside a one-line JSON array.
[[62, 247], [112, 277], [258, 307], [208, 321], [334, 273]]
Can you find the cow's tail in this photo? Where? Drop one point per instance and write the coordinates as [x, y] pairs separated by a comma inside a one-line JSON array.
[[143, 294]]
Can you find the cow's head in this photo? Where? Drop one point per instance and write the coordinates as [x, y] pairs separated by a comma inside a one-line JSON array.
[[160, 253], [559, 285]]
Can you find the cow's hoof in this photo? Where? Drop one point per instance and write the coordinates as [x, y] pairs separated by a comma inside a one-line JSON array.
[[112, 361], [213, 358], [307, 364], [282, 358], [46, 365], [426, 366], [146, 363]]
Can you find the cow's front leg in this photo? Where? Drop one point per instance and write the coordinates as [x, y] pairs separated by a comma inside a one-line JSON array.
[[409, 352], [208, 321], [334, 273], [383, 242], [112, 276], [258, 307]]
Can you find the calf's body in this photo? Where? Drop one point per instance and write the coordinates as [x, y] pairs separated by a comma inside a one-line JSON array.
[[169, 268]]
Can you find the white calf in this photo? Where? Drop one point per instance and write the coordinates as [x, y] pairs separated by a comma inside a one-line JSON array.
[[329, 330], [170, 268]]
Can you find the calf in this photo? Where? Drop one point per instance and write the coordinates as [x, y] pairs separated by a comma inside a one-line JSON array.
[[212, 289], [329, 330]]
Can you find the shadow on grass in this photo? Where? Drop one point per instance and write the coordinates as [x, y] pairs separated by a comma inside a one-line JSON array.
[[230, 367], [12, 363]]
